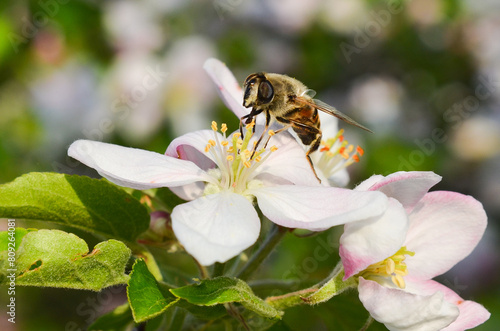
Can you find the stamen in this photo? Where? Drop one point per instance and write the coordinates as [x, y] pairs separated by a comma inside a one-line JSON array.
[[392, 268], [271, 133], [214, 125], [223, 128]]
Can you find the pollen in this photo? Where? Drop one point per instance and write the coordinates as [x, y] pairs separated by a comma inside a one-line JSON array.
[[393, 268], [271, 133], [337, 154], [236, 158]]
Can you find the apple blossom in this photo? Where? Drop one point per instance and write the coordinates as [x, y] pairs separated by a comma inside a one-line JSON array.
[[421, 235], [221, 176]]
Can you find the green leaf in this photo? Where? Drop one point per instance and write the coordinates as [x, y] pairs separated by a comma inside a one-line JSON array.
[[225, 290], [117, 320], [144, 294], [81, 202], [53, 258], [18, 235]]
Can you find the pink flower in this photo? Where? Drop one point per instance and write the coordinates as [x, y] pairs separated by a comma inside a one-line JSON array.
[[420, 236]]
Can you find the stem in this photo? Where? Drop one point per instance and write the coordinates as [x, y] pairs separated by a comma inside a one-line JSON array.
[[321, 292], [218, 269], [273, 238], [203, 270], [369, 321]]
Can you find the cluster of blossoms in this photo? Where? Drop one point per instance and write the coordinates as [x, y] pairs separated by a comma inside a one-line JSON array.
[[397, 236]]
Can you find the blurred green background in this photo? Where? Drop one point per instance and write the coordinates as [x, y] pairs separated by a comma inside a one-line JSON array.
[[424, 75]]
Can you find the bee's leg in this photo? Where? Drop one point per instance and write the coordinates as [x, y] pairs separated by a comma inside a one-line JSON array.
[[266, 127], [248, 118], [305, 131], [286, 127], [313, 148]]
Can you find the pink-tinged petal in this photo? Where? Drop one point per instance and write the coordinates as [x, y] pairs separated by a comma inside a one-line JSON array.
[[227, 86], [136, 168], [370, 241], [216, 227], [368, 183], [471, 315], [400, 310], [317, 208], [191, 147], [406, 187], [444, 228], [288, 162]]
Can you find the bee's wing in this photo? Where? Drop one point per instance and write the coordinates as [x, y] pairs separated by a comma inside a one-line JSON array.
[[320, 105]]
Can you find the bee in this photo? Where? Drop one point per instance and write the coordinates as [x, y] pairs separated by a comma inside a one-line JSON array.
[[289, 102]]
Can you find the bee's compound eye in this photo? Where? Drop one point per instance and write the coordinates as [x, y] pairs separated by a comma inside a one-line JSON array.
[[266, 92]]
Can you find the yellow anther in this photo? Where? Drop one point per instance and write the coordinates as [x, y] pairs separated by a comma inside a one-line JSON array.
[[258, 158], [398, 281], [214, 125], [236, 135], [390, 266], [207, 148], [212, 142], [223, 128], [274, 149], [271, 133], [224, 143], [250, 125], [247, 164], [229, 158]]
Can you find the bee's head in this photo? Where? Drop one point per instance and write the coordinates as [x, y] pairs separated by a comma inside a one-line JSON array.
[[258, 90]]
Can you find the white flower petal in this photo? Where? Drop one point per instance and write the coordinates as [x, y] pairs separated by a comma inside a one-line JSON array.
[[216, 227], [317, 208], [406, 187], [227, 86], [289, 162], [136, 168], [367, 242], [444, 228], [191, 147], [400, 310]]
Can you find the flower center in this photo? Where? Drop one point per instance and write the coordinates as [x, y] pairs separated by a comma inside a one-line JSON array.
[[393, 268], [236, 159], [337, 154]]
